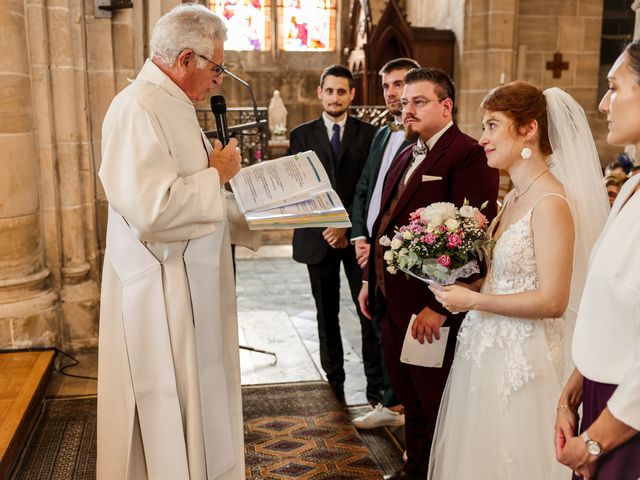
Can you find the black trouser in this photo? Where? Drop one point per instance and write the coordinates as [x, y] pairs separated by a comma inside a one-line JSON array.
[[325, 286], [388, 395]]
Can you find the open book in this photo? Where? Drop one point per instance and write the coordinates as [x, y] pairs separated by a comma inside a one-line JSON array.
[[288, 192]]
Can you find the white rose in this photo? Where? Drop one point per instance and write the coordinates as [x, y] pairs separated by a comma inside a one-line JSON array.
[[452, 224], [392, 269], [467, 211], [431, 228], [407, 235], [384, 241], [389, 256], [396, 243]]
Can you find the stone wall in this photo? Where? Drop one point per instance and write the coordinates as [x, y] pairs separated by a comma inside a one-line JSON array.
[[505, 40]]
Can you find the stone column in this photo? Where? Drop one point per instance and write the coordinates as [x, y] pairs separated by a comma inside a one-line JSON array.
[[635, 6], [29, 312], [69, 121]]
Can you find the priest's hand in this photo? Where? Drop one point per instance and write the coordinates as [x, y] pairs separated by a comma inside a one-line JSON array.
[[225, 160], [427, 325]]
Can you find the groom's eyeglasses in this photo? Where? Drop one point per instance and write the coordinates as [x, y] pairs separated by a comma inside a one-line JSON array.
[[418, 103]]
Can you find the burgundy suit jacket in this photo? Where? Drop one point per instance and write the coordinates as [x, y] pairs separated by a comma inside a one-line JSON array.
[[462, 164]]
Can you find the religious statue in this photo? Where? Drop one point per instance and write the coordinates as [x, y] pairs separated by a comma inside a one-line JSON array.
[[277, 115]]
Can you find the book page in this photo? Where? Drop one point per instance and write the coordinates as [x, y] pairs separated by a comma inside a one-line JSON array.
[[319, 204], [278, 182]]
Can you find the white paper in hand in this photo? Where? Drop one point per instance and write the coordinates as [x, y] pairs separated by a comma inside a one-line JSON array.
[[426, 354]]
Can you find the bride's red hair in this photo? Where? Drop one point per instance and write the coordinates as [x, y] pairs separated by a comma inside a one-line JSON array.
[[522, 102]]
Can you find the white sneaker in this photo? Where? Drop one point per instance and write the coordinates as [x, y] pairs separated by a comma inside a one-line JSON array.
[[380, 416]]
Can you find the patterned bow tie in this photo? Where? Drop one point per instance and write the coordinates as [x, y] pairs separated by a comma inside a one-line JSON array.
[[395, 127], [420, 149]]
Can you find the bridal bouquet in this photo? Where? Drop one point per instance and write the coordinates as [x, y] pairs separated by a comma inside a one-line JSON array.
[[440, 244]]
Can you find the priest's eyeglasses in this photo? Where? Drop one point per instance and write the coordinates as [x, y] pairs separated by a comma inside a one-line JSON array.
[[217, 69], [418, 103]]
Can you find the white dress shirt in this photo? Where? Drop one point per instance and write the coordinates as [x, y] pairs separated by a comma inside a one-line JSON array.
[[606, 341], [390, 152]]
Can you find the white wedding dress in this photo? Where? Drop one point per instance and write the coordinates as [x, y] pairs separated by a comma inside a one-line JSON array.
[[497, 416]]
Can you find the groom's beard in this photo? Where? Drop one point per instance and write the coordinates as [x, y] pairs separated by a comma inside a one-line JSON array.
[[410, 134]]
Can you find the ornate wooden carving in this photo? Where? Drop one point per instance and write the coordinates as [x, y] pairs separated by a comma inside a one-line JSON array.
[[371, 46]]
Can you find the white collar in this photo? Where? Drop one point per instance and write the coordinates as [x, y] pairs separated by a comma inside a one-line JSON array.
[[434, 138], [151, 73], [329, 123]]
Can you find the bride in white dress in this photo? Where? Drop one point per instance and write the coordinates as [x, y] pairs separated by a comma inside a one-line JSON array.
[[497, 415]]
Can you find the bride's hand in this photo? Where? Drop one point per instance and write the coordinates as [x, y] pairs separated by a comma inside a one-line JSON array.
[[455, 298]]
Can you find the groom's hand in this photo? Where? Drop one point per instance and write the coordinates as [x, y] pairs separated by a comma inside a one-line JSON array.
[[427, 325]]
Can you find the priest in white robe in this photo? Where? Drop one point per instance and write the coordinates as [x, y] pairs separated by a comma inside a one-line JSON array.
[[169, 403]]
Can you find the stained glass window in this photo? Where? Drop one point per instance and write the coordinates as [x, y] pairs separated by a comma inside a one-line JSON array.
[[248, 22], [307, 25]]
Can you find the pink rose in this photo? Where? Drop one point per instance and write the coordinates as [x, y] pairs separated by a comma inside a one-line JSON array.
[[444, 260], [454, 241], [429, 238]]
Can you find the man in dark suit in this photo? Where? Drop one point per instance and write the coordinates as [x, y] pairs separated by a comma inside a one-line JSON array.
[[444, 165], [389, 140], [342, 144]]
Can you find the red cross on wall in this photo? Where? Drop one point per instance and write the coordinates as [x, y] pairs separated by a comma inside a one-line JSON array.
[[557, 66]]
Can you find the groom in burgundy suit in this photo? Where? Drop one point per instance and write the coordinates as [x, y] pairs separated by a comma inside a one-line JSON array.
[[444, 165]]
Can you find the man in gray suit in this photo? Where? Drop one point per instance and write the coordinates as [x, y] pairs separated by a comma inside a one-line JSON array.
[[389, 140], [342, 143]]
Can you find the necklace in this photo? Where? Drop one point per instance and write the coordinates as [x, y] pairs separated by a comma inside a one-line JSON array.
[[516, 196]]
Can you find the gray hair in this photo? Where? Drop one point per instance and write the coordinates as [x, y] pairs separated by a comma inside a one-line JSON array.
[[187, 26]]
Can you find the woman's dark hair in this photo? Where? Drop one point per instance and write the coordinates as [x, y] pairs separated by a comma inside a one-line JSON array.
[[633, 50], [522, 102]]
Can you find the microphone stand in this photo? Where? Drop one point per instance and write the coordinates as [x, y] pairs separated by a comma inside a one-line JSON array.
[[259, 124]]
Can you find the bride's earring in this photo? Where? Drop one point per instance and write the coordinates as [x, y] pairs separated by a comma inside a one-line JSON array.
[[526, 152]]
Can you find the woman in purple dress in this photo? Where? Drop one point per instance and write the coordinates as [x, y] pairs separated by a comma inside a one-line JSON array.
[[606, 342]]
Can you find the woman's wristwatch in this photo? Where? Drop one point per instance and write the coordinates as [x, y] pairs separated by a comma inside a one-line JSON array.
[[593, 447]]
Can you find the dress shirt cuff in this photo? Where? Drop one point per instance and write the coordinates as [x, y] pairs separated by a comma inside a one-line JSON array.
[[353, 240], [624, 404]]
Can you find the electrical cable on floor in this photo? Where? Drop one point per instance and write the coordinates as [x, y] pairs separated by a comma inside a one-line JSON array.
[[60, 369]]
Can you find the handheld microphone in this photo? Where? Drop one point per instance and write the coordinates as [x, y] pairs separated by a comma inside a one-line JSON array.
[[219, 110]]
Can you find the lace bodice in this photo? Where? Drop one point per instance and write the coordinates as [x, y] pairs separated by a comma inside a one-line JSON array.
[[512, 270]]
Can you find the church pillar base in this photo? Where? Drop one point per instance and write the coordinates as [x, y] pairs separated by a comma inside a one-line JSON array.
[[30, 323], [80, 313]]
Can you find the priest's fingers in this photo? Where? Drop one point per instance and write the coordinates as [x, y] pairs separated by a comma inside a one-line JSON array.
[[226, 160]]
